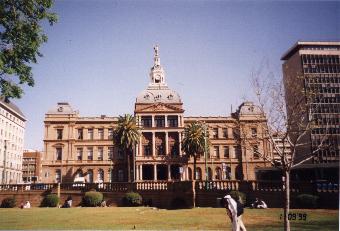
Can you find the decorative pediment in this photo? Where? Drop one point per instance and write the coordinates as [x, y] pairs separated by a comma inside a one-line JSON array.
[[160, 107]]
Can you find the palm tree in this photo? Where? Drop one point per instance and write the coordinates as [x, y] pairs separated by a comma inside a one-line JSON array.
[[194, 144], [126, 136]]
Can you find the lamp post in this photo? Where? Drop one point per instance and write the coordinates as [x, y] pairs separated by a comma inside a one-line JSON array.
[[4, 164], [205, 152]]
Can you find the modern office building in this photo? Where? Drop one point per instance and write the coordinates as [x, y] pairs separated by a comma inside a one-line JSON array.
[[31, 166], [78, 146], [311, 72], [12, 130]]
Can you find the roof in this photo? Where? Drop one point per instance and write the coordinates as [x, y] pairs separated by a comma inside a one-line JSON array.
[[155, 95], [62, 108], [14, 108], [301, 44]]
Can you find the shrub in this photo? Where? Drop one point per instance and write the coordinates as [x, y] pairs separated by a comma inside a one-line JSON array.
[[237, 194], [51, 200], [8, 202], [92, 199], [306, 201], [132, 199]]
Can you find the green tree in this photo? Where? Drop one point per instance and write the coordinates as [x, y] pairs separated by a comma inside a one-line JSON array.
[[193, 144], [20, 38], [126, 136]]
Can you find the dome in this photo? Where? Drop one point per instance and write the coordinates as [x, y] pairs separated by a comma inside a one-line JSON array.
[[249, 108], [158, 96], [158, 90], [61, 108]]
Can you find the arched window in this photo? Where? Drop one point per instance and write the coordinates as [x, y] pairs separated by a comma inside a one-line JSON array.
[[218, 175], [209, 173], [90, 176], [100, 177], [198, 174], [120, 175], [189, 174]]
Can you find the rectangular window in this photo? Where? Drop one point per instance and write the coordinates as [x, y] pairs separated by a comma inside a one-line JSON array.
[[90, 153], [160, 150], [215, 133], [79, 153], [172, 121], [225, 132], [100, 153], [59, 134], [256, 152], [101, 133], [120, 154], [226, 152], [57, 175], [147, 150], [173, 150], [110, 133], [110, 153], [80, 133], [58, 153], [253, 132], [160, 121], [90, 133], [146, 121], [120, 175], [216, 152]]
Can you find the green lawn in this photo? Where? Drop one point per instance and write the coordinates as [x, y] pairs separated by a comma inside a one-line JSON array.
[[160, 219]]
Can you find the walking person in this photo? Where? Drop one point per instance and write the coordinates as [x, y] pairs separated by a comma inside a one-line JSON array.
[[234, 211], [240, 210]]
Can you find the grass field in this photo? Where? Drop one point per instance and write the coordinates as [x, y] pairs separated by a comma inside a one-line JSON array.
[[159, 219]]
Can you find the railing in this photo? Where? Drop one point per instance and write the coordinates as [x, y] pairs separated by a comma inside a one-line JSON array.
[[217, 185], [178, 186], [152, 186], [26, 187]]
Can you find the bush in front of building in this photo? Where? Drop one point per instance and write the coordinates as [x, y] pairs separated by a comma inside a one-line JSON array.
[[51, 200], [92, 199], [238, 196], [132, 199], [8, 202], [307, 201]]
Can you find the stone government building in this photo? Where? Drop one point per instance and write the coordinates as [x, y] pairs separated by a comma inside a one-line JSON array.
[[78, 146]]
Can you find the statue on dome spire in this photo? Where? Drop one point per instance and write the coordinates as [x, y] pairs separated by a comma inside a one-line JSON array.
[[156, 59], [156, 48]]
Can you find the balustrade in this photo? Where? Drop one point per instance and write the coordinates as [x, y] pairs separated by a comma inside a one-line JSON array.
[[265, 186]]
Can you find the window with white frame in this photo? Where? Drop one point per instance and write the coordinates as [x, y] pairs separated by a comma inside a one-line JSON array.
[[100, 153], [90, 153], [90, 133], [79, 153]]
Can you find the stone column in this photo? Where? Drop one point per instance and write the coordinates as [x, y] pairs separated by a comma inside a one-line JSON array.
[[140, 146], [166, 143], [179, 143], [166, 121], [141, 172], [155, 172], [152, 121], [153, 144], [137, 172], [169, 172]]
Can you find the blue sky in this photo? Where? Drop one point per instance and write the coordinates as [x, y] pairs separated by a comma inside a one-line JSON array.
[[99, 54]]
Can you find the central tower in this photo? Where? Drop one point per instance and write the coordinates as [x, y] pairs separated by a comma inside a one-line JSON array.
[[159, 112]]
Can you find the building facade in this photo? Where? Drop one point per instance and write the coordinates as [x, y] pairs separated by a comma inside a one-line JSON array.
[[12, 130], [82, 146], [311, 72], [31, 166]]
